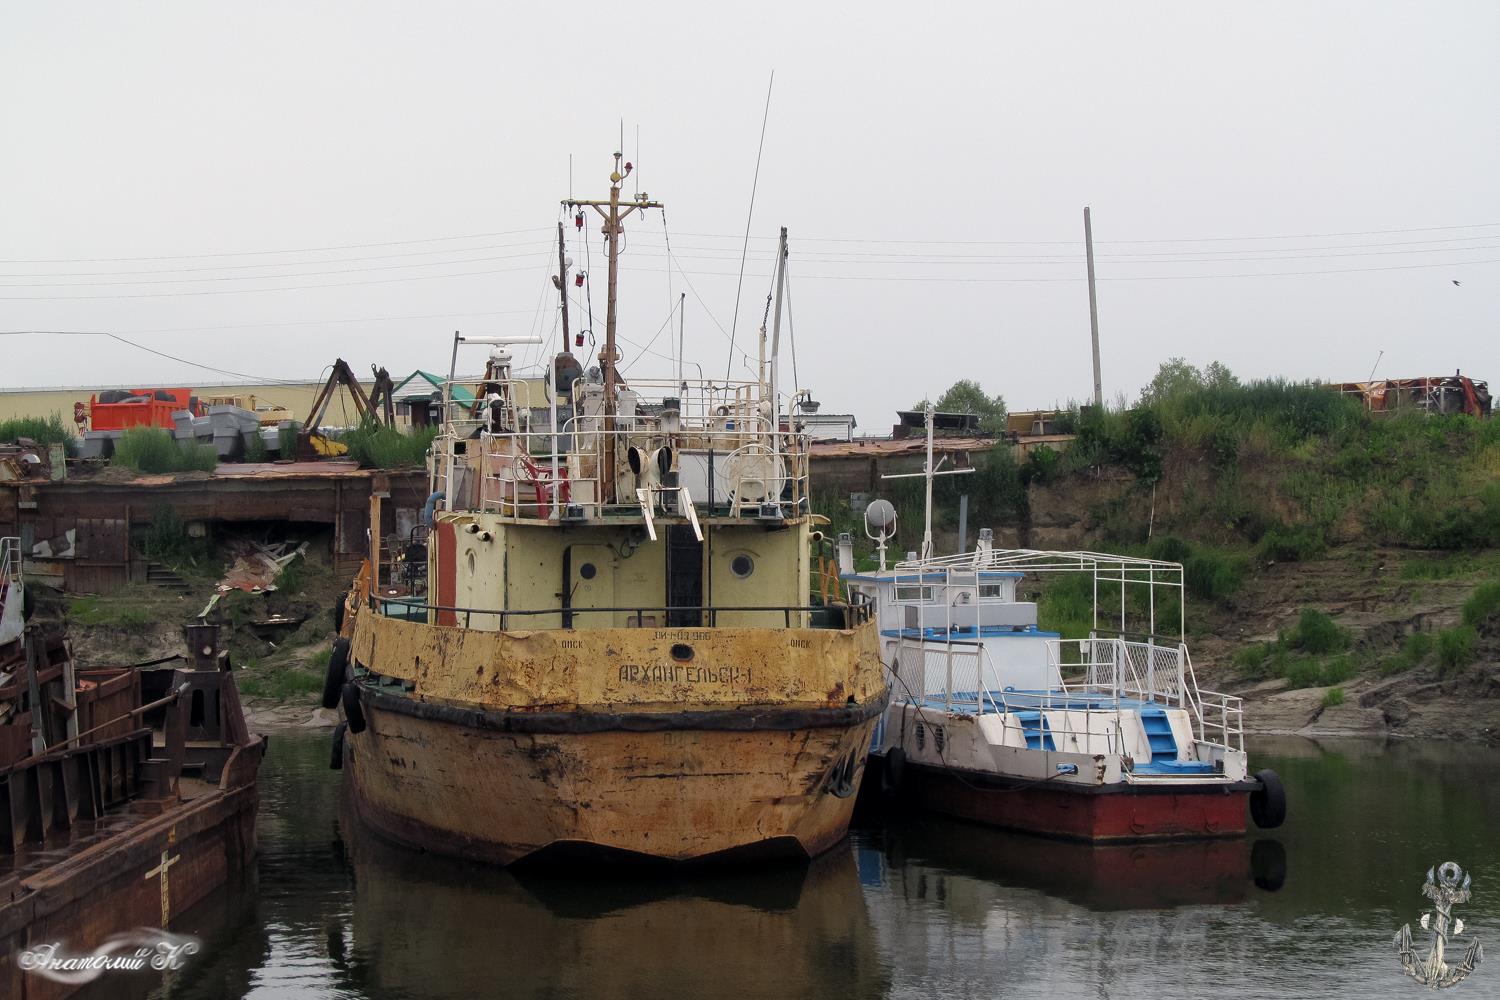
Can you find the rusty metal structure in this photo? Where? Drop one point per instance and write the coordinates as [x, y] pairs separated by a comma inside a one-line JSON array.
[[616, 654], [1456, 393], [127, 794]]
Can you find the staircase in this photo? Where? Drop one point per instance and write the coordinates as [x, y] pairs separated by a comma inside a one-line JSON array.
[[164, 576], [1034, 728], [1164, 747]]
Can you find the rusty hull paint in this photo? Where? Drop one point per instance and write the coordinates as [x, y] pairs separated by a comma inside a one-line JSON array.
[[104, 890], [677, 795], [607, 669], [686, 790]]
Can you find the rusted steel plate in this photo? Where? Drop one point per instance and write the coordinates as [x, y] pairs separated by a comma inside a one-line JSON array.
[[668, 669]]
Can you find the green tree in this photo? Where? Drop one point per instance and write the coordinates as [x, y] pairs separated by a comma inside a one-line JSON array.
[[1176, 377], [966, 396]]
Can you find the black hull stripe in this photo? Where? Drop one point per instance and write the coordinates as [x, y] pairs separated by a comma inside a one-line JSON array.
[[747, 719]]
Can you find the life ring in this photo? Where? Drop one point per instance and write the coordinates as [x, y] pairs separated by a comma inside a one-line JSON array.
[[333, 681], [1268, 802], [336, 760], [354, 713]]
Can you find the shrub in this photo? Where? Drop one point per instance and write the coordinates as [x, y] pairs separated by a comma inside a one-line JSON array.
[[377, 446], [255, 448], [292, 576], [42, 430], [1169, 548], [1483, 605], [167, 541], [154, 450], [1414, 650], [1333, 696], [1213, 576], [1284, 544], [1041, 465], [1316, 633], [1455, 649]]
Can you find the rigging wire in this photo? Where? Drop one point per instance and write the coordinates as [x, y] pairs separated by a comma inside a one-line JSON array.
[[734, 322]]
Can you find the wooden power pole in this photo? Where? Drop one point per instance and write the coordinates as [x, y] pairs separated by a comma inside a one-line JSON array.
[[1088, 246]]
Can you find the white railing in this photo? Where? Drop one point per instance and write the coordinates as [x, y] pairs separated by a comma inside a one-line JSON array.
[[1218, 715], [10, 572], [959, 674], [733, 461]]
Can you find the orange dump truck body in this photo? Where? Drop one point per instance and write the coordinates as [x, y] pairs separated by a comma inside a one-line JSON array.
[[139, 408]]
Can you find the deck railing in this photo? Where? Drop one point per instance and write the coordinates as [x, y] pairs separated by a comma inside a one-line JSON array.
[[844, 615], [960, 675], [10, 570]]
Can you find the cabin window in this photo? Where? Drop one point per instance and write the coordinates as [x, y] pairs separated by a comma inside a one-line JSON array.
[[742, 566], [991, 590], [913, 592]]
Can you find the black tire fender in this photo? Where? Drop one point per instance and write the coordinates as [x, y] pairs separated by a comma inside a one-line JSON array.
[[333, 681], [354, 713], [338, 615], [895, 767], [1268, 802], [336, 759]]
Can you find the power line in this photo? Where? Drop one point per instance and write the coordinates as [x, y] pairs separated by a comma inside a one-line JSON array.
[[275, 263], [150, 350], [263, 277], [255, 253]]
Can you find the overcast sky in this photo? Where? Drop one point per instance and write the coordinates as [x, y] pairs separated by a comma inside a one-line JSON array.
[[931, 162]]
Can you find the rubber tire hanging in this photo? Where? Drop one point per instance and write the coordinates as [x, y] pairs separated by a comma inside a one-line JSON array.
[[354, 713], [1268, 802], [333, 681]]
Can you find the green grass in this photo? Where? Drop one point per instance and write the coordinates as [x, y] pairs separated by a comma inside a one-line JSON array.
[[168, 542], [255, 448], [1414, 649], [293, 576], [1332, 697], [94, 611], [154, 450], [376, 446], [284, 684], [1483, 605], [1455, 649], [1282, 543], [43, 430]]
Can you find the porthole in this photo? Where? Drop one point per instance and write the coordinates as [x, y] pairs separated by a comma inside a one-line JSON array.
[[587, 571], [682, 651], [742, 566]]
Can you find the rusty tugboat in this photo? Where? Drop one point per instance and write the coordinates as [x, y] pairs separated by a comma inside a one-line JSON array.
[[616, 657], [127, 794]]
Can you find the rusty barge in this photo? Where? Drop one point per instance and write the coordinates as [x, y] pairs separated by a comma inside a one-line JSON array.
[[615, 654], [127, 795]]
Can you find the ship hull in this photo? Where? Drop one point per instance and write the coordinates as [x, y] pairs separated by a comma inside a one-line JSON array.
[[501, 787], [115, 886], [1119, 813]]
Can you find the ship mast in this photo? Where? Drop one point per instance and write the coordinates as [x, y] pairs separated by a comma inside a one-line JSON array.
[[613, 212]]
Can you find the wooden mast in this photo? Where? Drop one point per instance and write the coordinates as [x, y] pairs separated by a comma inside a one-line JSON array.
[[613, 212]]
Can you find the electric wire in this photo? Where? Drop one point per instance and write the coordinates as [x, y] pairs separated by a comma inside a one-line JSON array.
[[734, 322]]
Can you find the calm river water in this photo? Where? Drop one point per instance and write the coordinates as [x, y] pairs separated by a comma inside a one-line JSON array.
[[922, 908]]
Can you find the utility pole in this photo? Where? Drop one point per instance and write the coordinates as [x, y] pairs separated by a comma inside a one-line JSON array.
[[1088, 244], [613, 212]]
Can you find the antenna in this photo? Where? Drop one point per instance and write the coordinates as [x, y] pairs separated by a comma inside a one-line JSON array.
[[745, 248], [928, 473], [1375, 365], [880, 526]]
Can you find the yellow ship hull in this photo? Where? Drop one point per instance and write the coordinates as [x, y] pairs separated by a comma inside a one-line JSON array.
[[672, 744]]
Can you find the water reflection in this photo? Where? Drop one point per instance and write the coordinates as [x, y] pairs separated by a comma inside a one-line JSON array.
[[915, 907], [792, 931]]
